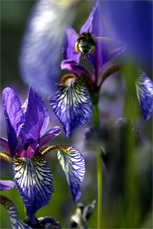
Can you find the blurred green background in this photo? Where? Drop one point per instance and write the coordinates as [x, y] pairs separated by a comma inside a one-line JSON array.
[[127, 172]]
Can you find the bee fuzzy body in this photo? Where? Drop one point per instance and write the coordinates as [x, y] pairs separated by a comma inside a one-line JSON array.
[[85, 43]]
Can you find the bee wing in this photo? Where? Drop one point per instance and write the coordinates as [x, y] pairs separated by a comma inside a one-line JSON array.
[[74, 32], [104, 39]]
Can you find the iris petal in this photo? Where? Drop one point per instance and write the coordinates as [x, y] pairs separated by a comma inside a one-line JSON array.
[[12, 211], [49, 135], [116, 52], [144, 89], [34, 181], [71, 65], [36, 116], [94, 25], [4, 144], [128, 22], [27, 150], [6, 184], [41, 45], [14, 117], [73, 165], [68, 48], [72, 105]]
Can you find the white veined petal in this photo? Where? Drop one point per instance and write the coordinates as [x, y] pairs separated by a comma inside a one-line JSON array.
[[73, 165]]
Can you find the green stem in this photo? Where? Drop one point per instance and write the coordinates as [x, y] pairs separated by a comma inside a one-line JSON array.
[[96, 115], [99, 178], [96, 121]]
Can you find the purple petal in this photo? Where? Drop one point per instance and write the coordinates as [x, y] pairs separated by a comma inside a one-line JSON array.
[[27, 150], [116, 52], [41, 46], [144, 88], [34, 181], [94, 25], [49, 135], [24, 106], [130, 23], [4, 144], [36, 117], [6, 184], [14, 117], [12, 211], [78, 69], [72, 105], [68, 47], [72, 163]]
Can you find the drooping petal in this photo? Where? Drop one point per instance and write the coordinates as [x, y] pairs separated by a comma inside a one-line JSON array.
[[5, 156], [94, 25], [12, 211], [144, 88], [34, 181], [116, 52], [6, 184], [72, 105], [68, 48], [73, 165], [49, 135], [36, 116], [14, 117], [4, 144], [78, 69], [41, 45]]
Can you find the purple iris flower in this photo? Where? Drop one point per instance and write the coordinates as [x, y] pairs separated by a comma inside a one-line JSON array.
[[40, 54], [10, 207], [72, 103], [32, 174], [130, 23], [144, 87], [99, 57]]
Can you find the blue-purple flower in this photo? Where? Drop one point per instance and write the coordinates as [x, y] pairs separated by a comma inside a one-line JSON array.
[[32, 174], [144, 87], [40, 54], [76, 95], [130, 23], [10, 207]]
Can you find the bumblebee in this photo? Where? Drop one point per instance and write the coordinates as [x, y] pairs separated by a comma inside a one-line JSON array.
[[85, 43]]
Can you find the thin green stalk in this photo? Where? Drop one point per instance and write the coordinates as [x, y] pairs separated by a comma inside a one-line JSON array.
[[96, 121], [99, 179], [96, 115]]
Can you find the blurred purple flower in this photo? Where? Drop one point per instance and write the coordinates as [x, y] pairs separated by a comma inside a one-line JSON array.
[[41, 45], [32, 174], [130, 24], [144, 88], [10, 207], [72, 103]]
